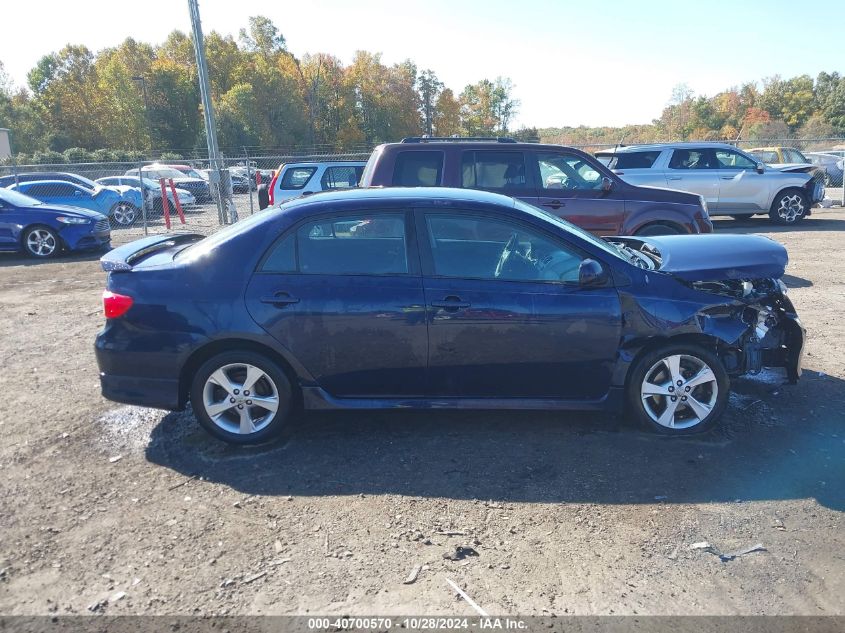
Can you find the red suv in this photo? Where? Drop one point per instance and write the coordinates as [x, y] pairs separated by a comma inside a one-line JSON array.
[[565, 181]]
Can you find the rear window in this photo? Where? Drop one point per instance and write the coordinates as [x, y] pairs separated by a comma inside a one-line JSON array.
[[418, 169], [629, 160], [297, 177]]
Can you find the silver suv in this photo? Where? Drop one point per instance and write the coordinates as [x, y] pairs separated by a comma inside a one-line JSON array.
[[732, 182]]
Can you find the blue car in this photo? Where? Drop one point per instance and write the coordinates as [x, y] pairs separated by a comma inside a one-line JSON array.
[[436, 298], [43, 230], [120, 205]]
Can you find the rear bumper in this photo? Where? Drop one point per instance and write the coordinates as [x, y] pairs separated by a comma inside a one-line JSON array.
[[158, 393]]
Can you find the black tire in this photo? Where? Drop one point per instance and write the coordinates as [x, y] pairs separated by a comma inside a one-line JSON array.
[[650, 365], [233, 401], [123, 214], [263, 197], [41, 242], [658, 229], [789, 207]]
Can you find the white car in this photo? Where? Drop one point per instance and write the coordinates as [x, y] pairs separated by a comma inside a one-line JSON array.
[[297, 179], [731, 181], [152, 189]]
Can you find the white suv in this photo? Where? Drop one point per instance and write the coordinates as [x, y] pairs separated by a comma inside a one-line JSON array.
[[732, 182], [296, 179]]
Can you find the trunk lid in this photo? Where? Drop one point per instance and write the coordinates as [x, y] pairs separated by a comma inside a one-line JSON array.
[[127, 257]]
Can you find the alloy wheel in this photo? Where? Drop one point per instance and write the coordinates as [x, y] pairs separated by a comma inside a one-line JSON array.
[[679, 391], [791, 207], [41, 242], [123, 214], [240, 398]]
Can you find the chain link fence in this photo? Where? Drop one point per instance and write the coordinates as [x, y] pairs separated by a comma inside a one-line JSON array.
[[157, 196]]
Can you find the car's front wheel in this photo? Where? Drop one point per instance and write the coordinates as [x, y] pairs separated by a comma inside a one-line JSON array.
[[789, 207], [41, 242], [123, 214], [678, 389], [241, 397], [658, 228]]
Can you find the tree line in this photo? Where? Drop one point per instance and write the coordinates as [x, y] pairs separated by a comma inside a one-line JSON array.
[[800, 107], [82, 105]]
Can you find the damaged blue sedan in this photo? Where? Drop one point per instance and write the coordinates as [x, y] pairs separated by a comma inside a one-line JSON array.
[[439, 298]]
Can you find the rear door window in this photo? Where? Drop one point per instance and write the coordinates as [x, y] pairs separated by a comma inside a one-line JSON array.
[[631, 160], [297, 177], [361, 244], [693, 159], [418, 169], [340, 177], [494, 170]]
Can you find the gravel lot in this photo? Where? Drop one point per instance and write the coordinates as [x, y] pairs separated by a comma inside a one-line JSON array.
[[567, 513]]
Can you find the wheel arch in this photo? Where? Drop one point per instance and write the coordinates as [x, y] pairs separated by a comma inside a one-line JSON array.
[[707, 341], [667, 223], [202, 354], [62, 244], [782, 190]]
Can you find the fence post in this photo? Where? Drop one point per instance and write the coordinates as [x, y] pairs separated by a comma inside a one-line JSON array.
[[249, 180], [165, 203], [143, 197], [176, 202]]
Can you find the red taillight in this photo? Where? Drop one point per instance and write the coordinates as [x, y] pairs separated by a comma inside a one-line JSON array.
[[115, 305], [272, 186]]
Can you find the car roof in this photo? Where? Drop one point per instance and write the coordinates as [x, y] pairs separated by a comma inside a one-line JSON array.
[[470, 145], [49, 182], [317, 163], [661, 146]]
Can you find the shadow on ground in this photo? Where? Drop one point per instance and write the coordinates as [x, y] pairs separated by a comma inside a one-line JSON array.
[[773, 445]]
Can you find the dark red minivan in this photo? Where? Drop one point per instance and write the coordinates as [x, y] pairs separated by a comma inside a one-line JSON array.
[[565, 181]]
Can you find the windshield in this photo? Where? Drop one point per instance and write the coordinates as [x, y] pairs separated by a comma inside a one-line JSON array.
[[18, 199], [571, 228]]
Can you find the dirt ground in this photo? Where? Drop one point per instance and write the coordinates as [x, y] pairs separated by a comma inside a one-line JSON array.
[[122, 510]]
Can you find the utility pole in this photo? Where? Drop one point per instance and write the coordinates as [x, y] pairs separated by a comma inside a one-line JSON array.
[[210, 125]]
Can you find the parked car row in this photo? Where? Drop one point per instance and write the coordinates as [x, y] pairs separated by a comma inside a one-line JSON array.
[[731, 181]]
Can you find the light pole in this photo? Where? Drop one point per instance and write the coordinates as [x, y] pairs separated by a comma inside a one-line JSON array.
[[208, 110], [146, 107]]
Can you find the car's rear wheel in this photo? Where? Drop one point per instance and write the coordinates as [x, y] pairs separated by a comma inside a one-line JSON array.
[[658, 229], [789, 207], [123, 214], [41, 242], [241, 397], [678, 389]]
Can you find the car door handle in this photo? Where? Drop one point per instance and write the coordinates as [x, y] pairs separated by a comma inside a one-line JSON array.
[[280, 299], [554, 204], [727, 177], [451, 303], [674, 178]]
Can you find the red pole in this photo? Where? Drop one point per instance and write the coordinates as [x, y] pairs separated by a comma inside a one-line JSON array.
[[257, 177], [176, 202], [165, 203]]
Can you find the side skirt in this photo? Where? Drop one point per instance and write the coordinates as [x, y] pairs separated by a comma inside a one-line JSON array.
[[316, 398]]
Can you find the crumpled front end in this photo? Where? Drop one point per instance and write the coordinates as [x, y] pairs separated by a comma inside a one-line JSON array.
[[772, 335]]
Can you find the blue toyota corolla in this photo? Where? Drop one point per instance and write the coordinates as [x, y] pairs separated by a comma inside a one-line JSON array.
[[434, 298], [44, 230]]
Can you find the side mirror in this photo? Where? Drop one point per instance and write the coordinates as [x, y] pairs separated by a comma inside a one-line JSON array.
[[760, 168], [606, 184], [591, 274]]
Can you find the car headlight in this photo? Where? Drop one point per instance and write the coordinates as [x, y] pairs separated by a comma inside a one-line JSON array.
[[71, 220]]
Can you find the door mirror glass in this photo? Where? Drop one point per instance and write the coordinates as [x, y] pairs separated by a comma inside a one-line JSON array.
[[760, 168], [606, 184], [591, 274]]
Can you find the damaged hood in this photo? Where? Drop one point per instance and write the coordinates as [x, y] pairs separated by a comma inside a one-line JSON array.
[[715, 256]]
